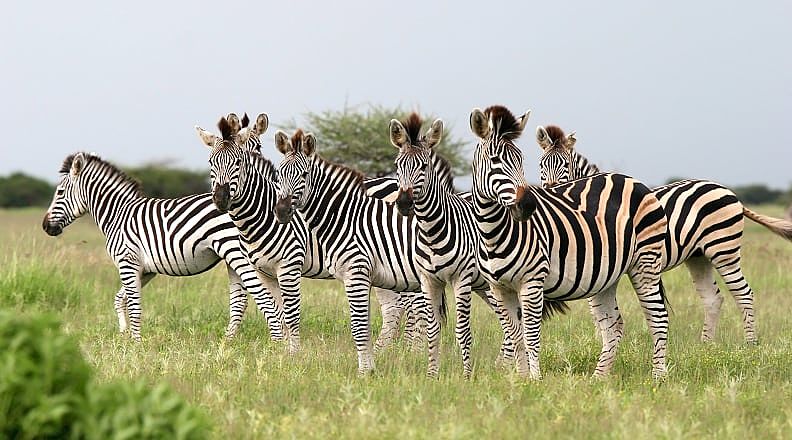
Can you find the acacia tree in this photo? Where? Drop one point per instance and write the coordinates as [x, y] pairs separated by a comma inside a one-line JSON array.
[[360, 138]]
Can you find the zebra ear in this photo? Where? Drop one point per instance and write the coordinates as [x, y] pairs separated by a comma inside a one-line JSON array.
[[233, 122], [282, 142], [262, 123], [309, 144], [571, 139], [208, 138], [479, 124], [435, 133], [78, 163], [542, 138], [523, 120], [398, 134]]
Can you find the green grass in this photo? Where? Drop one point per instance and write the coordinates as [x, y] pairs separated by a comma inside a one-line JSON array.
[[251, 388]]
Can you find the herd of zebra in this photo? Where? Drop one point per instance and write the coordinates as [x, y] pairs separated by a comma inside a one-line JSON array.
[[523, 249]]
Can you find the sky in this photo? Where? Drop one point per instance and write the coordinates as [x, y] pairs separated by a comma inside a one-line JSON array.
[[653, 89]]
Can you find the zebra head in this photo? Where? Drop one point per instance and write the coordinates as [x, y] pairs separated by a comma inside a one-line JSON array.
[[497, 162], [294, 172], [226, 159], [69, 201], [414, 158], [557, 164]]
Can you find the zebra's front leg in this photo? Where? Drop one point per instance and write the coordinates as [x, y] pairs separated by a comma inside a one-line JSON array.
[[289, 278], [357, 284], [433, 291], [532, 303], [131, 282], [241, 273], [415, 327], [649, 288], [392, 311], [462, 298], [700, 270], [237, 303], [610, 327], [121, 310], [271, 300]]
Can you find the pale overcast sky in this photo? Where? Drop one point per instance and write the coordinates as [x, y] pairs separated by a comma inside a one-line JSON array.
[[653, 89]]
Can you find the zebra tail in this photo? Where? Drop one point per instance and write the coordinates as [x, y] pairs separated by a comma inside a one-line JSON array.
[[665, 297], [443, 309], [780, 227], [552, 308]]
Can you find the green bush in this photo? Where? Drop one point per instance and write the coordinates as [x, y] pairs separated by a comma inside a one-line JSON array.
[[19, 190], [162, 181], [45, 392], [43, 378]]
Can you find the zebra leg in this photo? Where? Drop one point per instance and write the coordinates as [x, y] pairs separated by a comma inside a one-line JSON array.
[[506, 354], [392, 311], [433, 291], [266, 303], [649, 287], [270, 285], [289, 278], [511, 303], [700, 270], [594, 318], [462, 298], [237, 304], [610, 326], [132, 283], [121, 310], [357, 285], [532, 302], [415, 328], [735, 281]]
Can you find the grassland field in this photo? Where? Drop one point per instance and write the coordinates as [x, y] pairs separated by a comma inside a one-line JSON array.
[[251, 388]]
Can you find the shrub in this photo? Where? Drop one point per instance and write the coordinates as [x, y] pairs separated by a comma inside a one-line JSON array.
[[45, 392], [20, 190], [43, 378]]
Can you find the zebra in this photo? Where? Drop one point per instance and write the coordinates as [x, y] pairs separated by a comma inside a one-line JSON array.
[[447, 234], [145, 237], [244, 184], [569, 243], [705, 224], [367, 243]]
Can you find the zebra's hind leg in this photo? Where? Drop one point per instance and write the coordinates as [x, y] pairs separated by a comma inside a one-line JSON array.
[[509, 299], [649, 288], [433, 313], [462, 298], [392, 311], [700, 270], [415, 326], [241, 272], [738, 286], [610, 326], [506, 354], [532, 303]]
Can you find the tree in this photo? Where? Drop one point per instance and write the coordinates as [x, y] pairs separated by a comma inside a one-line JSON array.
[[162, 181], [20, 190], [758, 193], [361, 138]]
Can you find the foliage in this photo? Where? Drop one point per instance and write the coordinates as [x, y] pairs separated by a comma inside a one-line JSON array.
[[758, 193], [162, 181], [20, 190], [361, 138], [43, 378], [45, 392]]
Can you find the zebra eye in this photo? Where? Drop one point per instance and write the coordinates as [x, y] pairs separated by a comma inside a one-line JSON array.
[[59, 192]]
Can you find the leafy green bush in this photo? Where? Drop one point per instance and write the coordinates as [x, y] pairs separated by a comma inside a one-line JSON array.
[[43, 378], [136, 411], [45, 392], [162, 181], [20, 190]]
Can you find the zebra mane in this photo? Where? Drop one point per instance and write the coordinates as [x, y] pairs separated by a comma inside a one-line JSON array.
[[413, 127], [104, 166], [556, 135], [357, 176], [263, 165], [504, 123], [226, 130]]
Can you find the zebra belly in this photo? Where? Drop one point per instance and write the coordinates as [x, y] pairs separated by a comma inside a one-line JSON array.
[[187, 263]]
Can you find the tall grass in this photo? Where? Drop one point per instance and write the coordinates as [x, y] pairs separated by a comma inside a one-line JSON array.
[[251, 388]]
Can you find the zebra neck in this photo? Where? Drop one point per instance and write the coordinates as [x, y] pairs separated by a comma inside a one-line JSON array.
[[335, 199], [496, 227], [254, 206], [583, 167], [431, 206], [107, 199]]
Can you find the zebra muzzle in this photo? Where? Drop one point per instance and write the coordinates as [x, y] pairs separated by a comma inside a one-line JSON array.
[[51, 229], [284, 210], [524, 206], [405, 202], [221, 196]]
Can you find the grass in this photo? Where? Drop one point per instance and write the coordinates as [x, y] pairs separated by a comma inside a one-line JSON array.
[[251, 388]]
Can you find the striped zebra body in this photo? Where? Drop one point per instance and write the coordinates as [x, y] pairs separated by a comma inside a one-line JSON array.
[[570, 243], [367, 243], [283, 253], [145, 237], [705, 227]]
